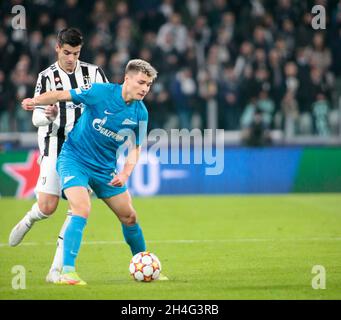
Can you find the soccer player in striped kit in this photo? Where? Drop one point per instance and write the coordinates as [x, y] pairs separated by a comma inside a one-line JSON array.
[[54, 123]]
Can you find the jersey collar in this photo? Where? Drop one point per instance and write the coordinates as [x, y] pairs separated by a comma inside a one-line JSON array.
[[75, 71]]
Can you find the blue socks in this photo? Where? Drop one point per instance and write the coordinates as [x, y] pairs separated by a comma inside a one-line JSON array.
[[134, 237], [72, 242], [73, 237]]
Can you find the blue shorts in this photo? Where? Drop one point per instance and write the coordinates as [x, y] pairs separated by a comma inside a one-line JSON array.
[[75, 174]]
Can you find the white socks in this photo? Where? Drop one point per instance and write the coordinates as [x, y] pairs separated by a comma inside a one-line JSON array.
[[35, 215], [57, 263]]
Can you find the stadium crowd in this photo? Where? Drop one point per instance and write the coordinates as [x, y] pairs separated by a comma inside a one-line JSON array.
[[260, 60]]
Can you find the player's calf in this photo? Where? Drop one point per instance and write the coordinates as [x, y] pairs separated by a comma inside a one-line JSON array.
[[133, 235]]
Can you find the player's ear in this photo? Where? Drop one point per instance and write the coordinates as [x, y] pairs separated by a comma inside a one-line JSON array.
[[57, 47]]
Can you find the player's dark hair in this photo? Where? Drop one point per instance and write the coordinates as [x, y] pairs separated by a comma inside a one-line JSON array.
[[70, 36]]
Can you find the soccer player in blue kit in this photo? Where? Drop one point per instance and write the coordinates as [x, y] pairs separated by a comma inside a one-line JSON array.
[[113, 114]]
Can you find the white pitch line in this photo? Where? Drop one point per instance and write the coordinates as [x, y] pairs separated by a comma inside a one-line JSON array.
[[184, 241]]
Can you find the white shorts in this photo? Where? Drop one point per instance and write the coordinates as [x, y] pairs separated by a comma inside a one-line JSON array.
[[48, 181]]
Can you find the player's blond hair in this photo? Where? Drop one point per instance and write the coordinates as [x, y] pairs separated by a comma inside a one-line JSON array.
[[139, 65]]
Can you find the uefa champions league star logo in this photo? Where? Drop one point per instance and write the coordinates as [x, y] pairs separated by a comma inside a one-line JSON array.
[[26, 174]]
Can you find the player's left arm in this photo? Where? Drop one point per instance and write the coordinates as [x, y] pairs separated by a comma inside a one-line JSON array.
[[134, 153], [133, 157]]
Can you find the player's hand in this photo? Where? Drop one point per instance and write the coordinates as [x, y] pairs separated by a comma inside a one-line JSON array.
[[51, 112], [119, 180], [28, 104]]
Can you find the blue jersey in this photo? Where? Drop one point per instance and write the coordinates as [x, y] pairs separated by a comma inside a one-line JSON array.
[[106, 123]]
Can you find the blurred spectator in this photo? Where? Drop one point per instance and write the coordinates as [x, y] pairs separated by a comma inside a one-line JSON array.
[[228, 101], [256, 134], [6, 103], [304, 95], [35, 46], [167, 8], [45, 24], [23, 85], [72, 11], [173, 34], [100, 60], [261, 104], [321, 55], [288, 34], [244, 58], [266, 106], [202, 35], [260, 61], [304, 32], [276, 77], [124, 36], [291, 79], [6, 52], [248, 86], [193, 8], [100, 12], [160, 106], [59, 25], [321, 111], [260, 39], [285, 10], [117, 62], [215, 9], [148, 17], [183, 91], [289, 115], [336, 64], [207, 92]]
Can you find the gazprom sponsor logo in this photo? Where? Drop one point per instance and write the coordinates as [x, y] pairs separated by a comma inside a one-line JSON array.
[[98, 125]]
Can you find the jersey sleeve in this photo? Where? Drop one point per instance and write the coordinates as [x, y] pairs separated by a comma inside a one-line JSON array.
[[100, 76], [141, 129], [38, 116], [43, 84], [89, 95]]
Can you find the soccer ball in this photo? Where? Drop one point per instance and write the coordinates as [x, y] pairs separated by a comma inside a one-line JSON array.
[[145, 266]]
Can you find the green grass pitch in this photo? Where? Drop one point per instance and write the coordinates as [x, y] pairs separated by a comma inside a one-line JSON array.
[[219, 247]]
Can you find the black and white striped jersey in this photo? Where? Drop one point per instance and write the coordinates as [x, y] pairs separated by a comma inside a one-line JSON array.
[[52, 136]]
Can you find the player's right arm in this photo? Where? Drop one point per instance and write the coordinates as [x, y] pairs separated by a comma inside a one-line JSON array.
[[46, 98], [44, 115], [89, 96]]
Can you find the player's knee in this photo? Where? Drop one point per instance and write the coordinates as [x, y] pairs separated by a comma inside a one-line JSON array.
[[48, 207], [130, 218], [82, 210]]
